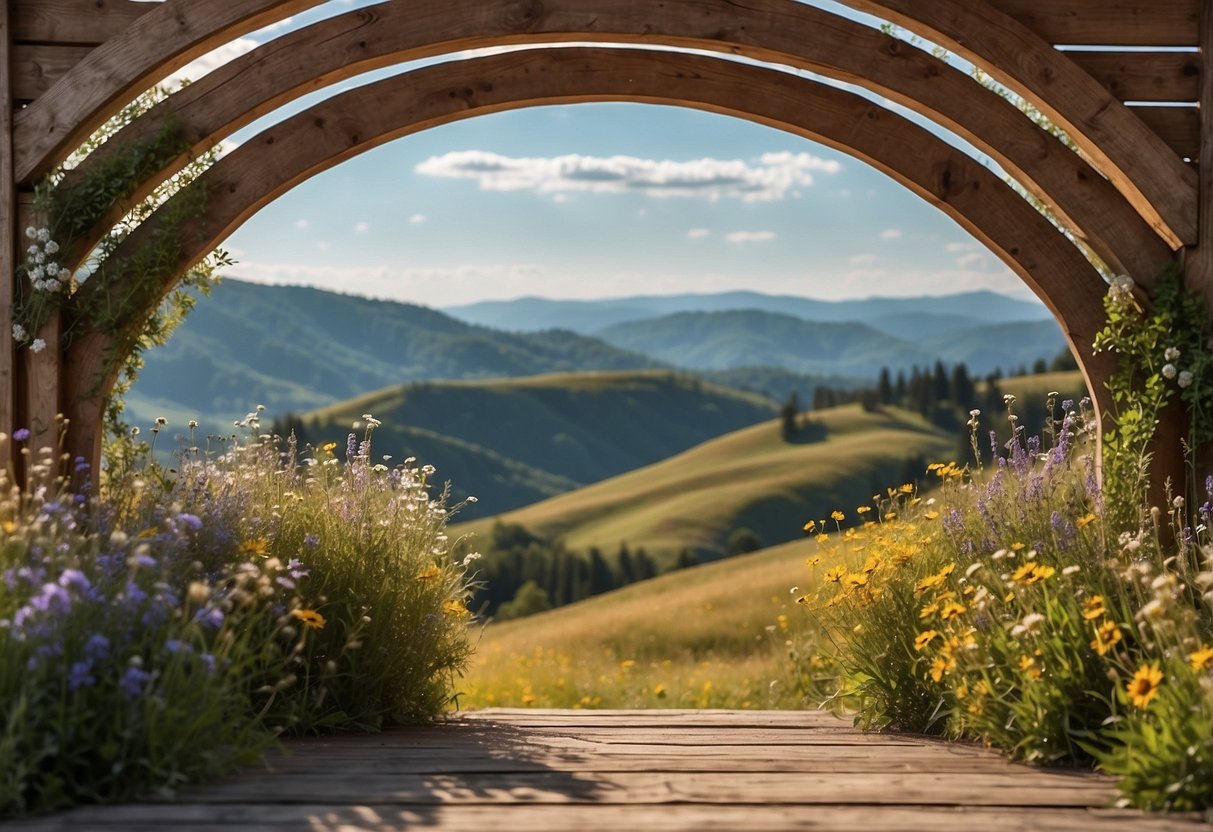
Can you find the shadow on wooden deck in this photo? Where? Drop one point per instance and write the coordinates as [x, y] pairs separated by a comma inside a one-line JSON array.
[[633, 770]]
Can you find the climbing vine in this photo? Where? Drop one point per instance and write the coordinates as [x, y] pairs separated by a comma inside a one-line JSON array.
[[116, 283]]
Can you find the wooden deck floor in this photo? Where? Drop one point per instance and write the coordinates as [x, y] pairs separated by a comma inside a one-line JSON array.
[[647, 771]]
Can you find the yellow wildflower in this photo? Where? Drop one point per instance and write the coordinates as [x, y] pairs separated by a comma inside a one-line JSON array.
[[328, 447], [941, 666], [1107, 636], [310, 618], [932, 581], [455, 608], [810, 526], [863, 509], [1202, 659], [1083, 522], [856, 579], [1144, 685], [257, 546], [1093, 608], [925, 638], [659, 691], [837, 516], [428, 573], [835, 574], [813, 561], [1024, 572], [951, 610], [928, 610], [1029, 666], [1042, 572]]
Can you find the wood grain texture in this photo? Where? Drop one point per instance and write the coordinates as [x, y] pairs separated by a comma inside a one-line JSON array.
[[1179, 127], [1108, 22], [1144, 76], [79, 22], [37, 67], [1141, 165], [779, 31], [287, 154], [8, 226], [528, 771], [152, 47]]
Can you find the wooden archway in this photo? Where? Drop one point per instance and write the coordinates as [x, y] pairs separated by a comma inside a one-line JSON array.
[[1131, 192], [326, 134], [798, 35]]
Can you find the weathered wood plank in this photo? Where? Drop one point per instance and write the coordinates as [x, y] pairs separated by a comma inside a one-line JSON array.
[[84, 22], [195, 817], [1198, 261], [8, 227], [152, 47], [339, 128], [1144, 76], [655, 788], [1179, 127], [1141, 165], [1108, 22], [37, 68], [773, 30]]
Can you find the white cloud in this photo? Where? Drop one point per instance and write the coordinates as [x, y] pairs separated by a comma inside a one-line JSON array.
[[302, 225], [698, 233], [862, 260], [890, 234], [970, 260], [958, 248], [772, 177], [417, 219], [362, 228], [750, 236]]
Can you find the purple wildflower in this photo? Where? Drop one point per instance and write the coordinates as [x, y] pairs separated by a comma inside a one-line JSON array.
[[20, 434], [296, 568], [351, 446], [75, 579], [133, 682], [311, 541], [97, 647], [211, 617], [81, 675], [192, 521], [208, 661]]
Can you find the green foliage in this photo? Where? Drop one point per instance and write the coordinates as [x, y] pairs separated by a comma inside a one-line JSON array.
[[530, 599], [169, 633], [1010, 608]]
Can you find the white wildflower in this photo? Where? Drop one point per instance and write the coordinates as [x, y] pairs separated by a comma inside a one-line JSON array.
[[1170, 370], [1185, 379], [19, 332], [1071, 570], [38, 345], [32, 233], [1008, 399], [44, 235], [51, 247], [1178, 502], [1171, 354]]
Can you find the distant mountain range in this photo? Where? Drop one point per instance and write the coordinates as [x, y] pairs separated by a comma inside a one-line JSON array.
[[296, 349], [908, 318]]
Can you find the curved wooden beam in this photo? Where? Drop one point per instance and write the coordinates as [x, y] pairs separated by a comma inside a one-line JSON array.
[[780, 31], [340, 128], [161, 41], [1159, 183]]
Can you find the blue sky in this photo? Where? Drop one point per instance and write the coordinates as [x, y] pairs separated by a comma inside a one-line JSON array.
[[602, 200]]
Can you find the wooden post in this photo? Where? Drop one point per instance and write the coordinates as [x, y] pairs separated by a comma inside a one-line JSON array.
[[8, 223]]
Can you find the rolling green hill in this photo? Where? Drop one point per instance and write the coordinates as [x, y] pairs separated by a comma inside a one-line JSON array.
[[294, 348], [512, 442], [750, 478]]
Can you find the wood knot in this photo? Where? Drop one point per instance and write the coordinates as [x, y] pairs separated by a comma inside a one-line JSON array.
[[524, 14]]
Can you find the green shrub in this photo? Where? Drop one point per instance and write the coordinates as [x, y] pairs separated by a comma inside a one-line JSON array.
[[169, 632]]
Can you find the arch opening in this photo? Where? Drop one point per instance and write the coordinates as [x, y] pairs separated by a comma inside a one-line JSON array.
[[353, 122]]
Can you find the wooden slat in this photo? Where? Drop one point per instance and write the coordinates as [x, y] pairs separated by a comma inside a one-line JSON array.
[[1108, 22], [82, 22], [522, 771], [8, 227], [36, 68], [1143, 167], [1198, 260], [1144, 76], [787, 33], [286, 154], [152, 47], [1179, 127]]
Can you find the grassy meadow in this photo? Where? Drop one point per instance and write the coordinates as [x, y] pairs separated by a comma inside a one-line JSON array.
[[750, 478], [713, 636]]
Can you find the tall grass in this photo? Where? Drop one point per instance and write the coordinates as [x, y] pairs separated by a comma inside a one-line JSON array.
[[1009, 608], [172, 630]]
